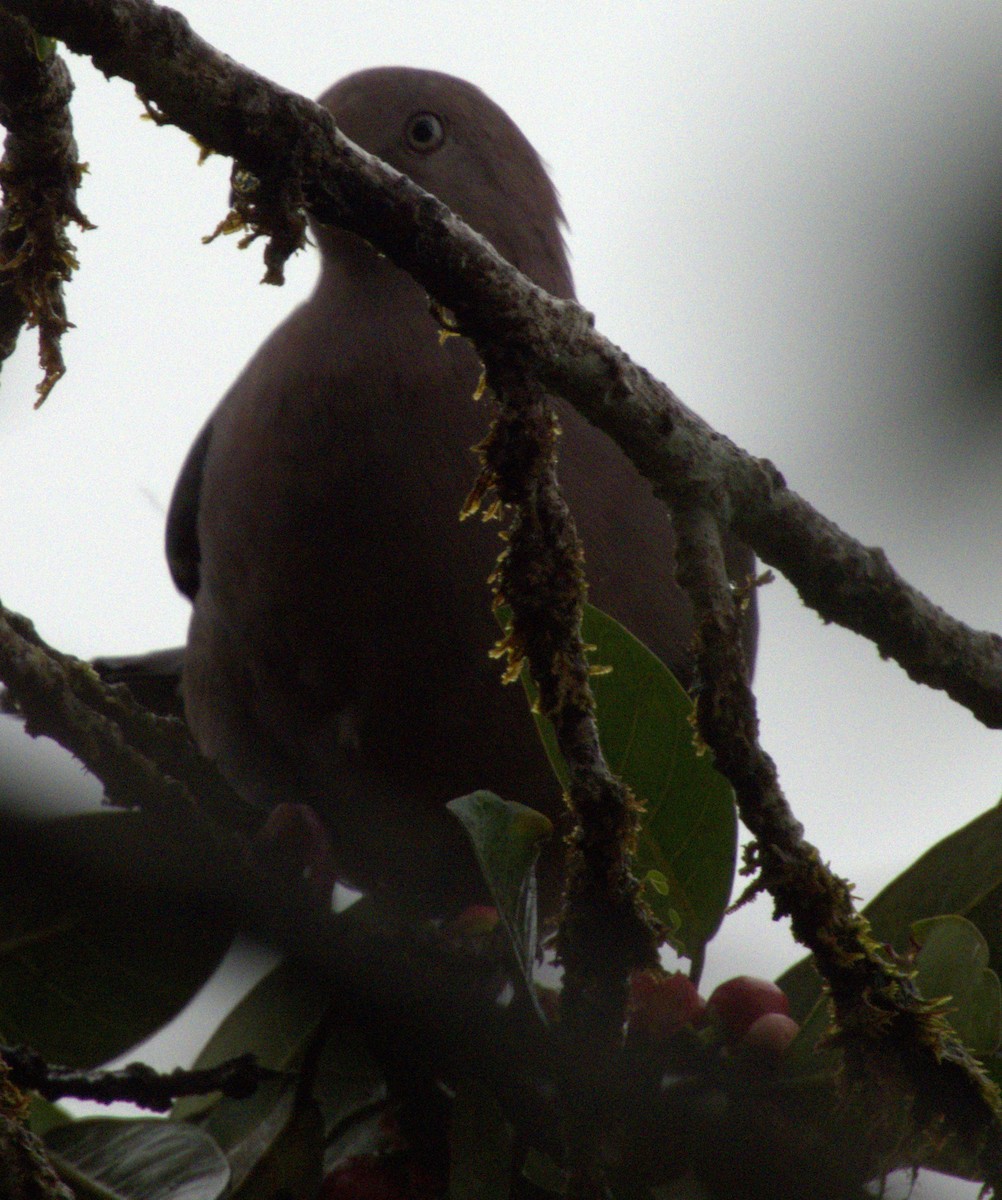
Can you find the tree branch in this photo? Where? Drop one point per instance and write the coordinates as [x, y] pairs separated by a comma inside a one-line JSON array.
[[143, 761], [299, 157], [25, 1171], [430, 1006], [889, 1033], [294, 149], [404, 980], [136, 1083], [39, 175], [605, 932]]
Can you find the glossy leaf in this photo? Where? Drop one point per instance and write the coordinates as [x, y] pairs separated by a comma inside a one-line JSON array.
[[43, 1115], [952, 961], [276, 1020], [804, 1055], [962, 875], [951, 964], [507, 838], [45, 47], [293, 1164], [96, 952], [687, 850], [543, 1173], [140, 1160]]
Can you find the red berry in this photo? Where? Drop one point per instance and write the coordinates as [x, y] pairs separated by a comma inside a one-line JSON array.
[[477, 918], [737, 1004], [473, 928], [380, 1177], [661, 1004], [363, 1177], [770, 1036]]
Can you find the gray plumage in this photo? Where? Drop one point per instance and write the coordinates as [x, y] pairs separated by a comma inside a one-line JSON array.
[[338, 648]]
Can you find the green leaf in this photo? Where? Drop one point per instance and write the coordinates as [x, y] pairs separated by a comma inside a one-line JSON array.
[[43, 1115], [687, 850], [543, 1173], [44, 46], [951, 965], [95, 956], [293, 1164], [804, 1056], [952, 961], [506, 838], [962, 875], [276, 1020], [139, 1160]]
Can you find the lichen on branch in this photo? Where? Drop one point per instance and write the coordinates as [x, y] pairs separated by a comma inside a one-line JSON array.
[[605, 931], [39, 177], [895, 1043]]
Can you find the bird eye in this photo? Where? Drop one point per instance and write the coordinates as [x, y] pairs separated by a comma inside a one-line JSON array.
[[425, 132]]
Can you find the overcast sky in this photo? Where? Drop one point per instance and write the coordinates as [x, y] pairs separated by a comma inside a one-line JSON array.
[[787, 211]]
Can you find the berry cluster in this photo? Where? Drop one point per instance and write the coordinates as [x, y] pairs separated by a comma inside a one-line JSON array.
[[744, 1012]]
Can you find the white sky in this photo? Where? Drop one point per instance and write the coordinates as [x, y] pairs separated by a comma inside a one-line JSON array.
[[759, 197]]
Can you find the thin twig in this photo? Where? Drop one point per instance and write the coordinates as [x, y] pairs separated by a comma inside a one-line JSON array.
[[136, 1083]]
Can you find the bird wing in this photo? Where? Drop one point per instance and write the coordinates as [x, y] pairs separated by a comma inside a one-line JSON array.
[[154, 678], [183, 552]]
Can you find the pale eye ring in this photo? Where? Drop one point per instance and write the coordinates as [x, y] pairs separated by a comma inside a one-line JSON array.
[[425, 132]]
